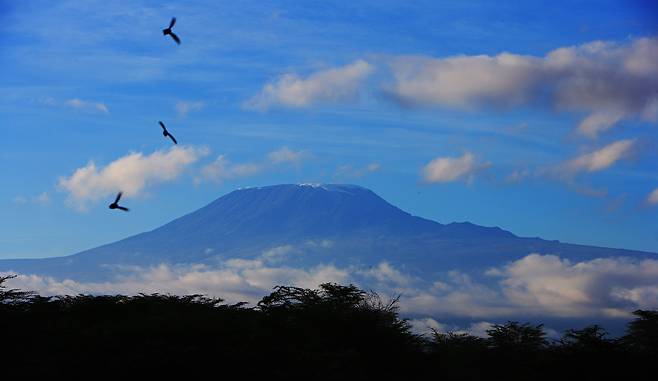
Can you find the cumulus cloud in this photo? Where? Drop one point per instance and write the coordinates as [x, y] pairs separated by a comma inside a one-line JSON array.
[[543, 285], [426, 326], [609, 82], [599, 159], [605, 286], [222, 169], [448, 169], [86, 105], [385, 273], [465, 81], [325, 86], [185, 107], [131, 174]]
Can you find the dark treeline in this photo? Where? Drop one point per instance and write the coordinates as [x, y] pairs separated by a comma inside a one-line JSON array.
[[334, 332]]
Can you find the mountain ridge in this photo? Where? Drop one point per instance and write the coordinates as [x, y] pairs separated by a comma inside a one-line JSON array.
[[362, 226]]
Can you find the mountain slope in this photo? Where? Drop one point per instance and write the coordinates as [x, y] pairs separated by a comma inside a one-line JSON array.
[[341, 224]]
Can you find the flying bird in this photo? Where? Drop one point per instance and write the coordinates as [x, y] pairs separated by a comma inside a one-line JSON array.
[[115, 204], [166, 133], [169, 32]]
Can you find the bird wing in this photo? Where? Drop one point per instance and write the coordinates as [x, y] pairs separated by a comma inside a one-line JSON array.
[[172, 138], [123, 208], [118, 197], [162, 125], [172, 23], [173, 35]]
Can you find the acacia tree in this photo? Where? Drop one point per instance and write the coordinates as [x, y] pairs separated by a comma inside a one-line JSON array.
[[590, 338], [642, 332], [517, 337], [12, 295]]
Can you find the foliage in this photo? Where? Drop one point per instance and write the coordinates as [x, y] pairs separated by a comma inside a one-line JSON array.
[[12, 296], [642, 333], [514, 336], [332, 332]]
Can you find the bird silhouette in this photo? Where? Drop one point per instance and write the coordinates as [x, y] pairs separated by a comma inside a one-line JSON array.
[[166, 133], [169, 32], [115, 204]]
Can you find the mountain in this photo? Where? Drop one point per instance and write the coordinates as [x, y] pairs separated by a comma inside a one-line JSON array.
[[324, 223]]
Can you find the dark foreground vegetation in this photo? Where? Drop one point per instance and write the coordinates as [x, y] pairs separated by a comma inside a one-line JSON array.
[[335, 332]]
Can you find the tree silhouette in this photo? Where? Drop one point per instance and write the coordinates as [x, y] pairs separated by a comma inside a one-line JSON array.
[[518, 337], [332, 332], [642, 332], [591, 339], [11, 295]]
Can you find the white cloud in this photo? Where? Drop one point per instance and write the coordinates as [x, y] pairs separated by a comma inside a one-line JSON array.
[[325, 86], [76, 103], [323, 243], [427, 326], [448, 169], [465, 81], [385, 273], [87, 105], [236, 280], [543, 285], [347, 171], [517, 175], [278, 254], [610, 82], [600, 159], [185, 107], [222, 169], [653, 197], [286, 155], [478, 329], [131, 174], [20, 200], [40, 199], [598, 122], [605, 286]]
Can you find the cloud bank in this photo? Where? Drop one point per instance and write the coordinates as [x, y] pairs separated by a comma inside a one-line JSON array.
[[608, 82], [535, 285]]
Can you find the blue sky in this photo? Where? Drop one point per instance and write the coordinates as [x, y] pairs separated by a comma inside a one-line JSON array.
[[556, 138]]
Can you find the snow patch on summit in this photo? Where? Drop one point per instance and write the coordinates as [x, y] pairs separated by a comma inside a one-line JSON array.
[[312, 185]]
